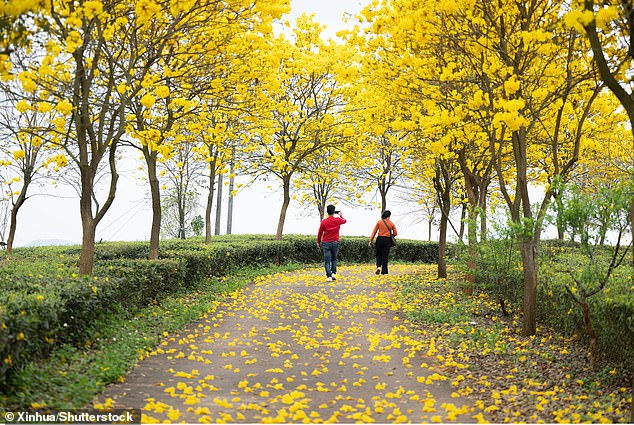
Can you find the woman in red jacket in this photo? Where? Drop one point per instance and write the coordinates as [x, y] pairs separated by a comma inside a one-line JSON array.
[[386, 229]]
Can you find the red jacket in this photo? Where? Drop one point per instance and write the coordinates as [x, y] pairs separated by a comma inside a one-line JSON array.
[[329, 229]]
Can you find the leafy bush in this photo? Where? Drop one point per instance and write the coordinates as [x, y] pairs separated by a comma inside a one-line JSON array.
[[613, 309], [499, 273]]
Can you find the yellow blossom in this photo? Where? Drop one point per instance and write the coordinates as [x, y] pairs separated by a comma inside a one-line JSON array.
[[148, 100], [162, 92], [23, 106]]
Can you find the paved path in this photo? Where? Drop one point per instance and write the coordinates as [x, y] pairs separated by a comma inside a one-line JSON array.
[[295, 348]]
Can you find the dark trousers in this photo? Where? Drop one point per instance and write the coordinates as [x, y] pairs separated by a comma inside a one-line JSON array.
[[383, 245]]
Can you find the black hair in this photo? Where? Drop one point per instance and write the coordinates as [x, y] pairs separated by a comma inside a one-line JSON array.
[[330, 209], [386, 214]]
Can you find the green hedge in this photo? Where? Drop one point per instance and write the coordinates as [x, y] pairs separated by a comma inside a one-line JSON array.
[[43, 302]]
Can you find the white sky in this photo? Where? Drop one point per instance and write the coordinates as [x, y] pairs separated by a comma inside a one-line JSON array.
[[256, 210], [328, 12]]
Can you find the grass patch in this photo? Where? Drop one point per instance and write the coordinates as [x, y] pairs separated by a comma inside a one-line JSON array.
[[73, 375]]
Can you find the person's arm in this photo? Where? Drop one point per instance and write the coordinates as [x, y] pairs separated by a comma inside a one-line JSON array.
[[394, 232], [376, 229]]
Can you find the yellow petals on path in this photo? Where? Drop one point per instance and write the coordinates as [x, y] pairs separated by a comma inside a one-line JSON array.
[[295, 348]]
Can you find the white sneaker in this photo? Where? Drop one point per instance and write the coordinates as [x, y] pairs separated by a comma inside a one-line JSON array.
[[329, 279], [334, 276], [378, 270]]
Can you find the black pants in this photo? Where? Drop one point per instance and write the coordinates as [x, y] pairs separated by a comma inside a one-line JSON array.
[[383, 245]]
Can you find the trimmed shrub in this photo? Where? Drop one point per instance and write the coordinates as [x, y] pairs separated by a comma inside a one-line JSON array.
[[135, 282], [29, 326]]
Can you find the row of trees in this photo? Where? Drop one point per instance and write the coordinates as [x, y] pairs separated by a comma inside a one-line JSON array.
[[500, 98], [473, 104], [199, 90], [164, 78]]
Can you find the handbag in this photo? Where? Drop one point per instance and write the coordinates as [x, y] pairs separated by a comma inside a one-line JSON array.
[[391, 235]]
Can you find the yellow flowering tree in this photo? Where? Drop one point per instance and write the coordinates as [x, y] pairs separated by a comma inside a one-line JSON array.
[[96, 57], [327, 178], [445, 177], [502, 89], [27, 150], [336, 174], [90, 53], [215, 140], [202, 64], [21, 161], [154, 113], [532, 106], [239, 60], [294, 120], [402, 96], [380, 163]]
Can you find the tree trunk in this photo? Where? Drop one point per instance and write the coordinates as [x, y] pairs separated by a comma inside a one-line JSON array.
[[445, 209], [285, 203], [89, 223], [230, 195], [529, 262], [483, 218], [383, 200], [442, 185], [429, 228], [463, 216], [632, 228], [155, 191], [14, 213], [472, 239], [210, 200], [87, 256], [218, 205], [181, 214], [230, 206], [442, 244], [12, 226]]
